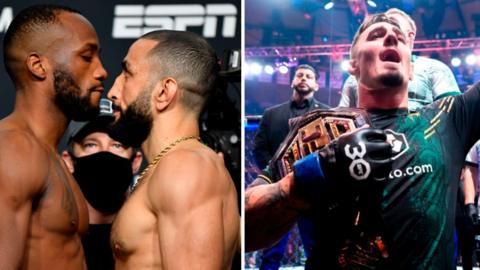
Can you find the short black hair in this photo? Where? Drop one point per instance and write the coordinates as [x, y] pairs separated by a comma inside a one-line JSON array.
[[29, 21], [189, 59], [306, 66], [79, 130]]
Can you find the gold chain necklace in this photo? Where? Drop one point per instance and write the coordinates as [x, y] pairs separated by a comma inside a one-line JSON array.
[[159, 156]]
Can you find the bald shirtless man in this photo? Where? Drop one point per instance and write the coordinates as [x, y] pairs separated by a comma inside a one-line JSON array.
[[183, 212], [51, 55]]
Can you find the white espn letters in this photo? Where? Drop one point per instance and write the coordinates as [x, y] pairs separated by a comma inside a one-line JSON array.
[[132, 21]]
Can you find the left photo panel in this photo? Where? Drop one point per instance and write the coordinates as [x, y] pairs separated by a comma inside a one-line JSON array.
[[120, 134]]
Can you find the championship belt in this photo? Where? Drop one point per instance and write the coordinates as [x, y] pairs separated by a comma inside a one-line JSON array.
[[364, 247], [311, 132]]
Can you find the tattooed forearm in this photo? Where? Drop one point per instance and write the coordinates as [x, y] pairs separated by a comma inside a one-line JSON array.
[[269, 213]]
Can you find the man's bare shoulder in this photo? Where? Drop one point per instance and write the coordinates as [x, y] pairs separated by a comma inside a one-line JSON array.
[[23, 160], [188, 175], [197, 164], [21, 141]]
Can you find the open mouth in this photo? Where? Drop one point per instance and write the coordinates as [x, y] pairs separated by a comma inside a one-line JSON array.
[[390, 55]]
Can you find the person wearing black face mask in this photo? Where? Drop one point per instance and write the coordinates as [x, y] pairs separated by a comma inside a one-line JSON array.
[[104, 169]]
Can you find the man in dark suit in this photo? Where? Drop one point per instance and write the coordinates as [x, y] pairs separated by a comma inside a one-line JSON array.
[[274, 125], [271, 132]]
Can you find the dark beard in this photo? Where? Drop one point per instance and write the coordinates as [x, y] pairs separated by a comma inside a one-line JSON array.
[[391, 80], [303, 92], [133, 127], [68, 97]]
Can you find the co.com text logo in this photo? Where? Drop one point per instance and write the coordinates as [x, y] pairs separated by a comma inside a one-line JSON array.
[[132, 21], [409, 171]]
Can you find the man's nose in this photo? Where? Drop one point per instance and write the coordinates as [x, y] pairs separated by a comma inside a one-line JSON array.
[[390, 40], [100, 72], [114, 92], [112, 95]]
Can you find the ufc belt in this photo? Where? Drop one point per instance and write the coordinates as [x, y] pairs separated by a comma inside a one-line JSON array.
[[311, 132]]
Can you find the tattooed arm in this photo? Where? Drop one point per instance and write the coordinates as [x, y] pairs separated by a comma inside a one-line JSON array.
[[270, 211]]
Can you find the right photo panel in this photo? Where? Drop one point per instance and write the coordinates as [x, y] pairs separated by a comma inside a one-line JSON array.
[[361, 130]]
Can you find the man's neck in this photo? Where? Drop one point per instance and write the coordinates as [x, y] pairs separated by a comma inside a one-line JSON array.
[[168, 127], [299, 98], [388, 98], [41, 116]]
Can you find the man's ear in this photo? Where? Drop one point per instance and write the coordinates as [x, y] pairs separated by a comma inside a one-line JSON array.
[[353, 67], [137, 161], [36, 64], [164, 92], [315, 86], [68, 161]]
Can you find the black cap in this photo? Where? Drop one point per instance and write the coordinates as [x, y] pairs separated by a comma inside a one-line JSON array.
[[102, 123]]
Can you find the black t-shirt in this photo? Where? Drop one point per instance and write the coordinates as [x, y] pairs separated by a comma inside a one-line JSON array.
[[420, 195], [96, 245]]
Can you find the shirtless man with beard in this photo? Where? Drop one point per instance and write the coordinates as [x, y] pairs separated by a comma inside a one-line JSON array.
[[52, 56], [183, 212]]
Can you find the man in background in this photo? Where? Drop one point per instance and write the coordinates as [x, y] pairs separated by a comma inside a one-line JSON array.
[[274, 124], [104, 169], [467, 219], [272, 131]]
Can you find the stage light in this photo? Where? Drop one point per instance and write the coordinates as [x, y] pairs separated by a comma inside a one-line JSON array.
[[471, 59], [345, 65], [283, 69], [268, 69], [246, 68], [372, 3], [328, 5], [456, 62], [255, 68]]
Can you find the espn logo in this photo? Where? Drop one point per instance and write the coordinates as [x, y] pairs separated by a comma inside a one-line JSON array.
[[132, 21]]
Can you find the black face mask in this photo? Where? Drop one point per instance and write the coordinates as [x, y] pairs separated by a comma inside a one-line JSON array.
[[103, 178]]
